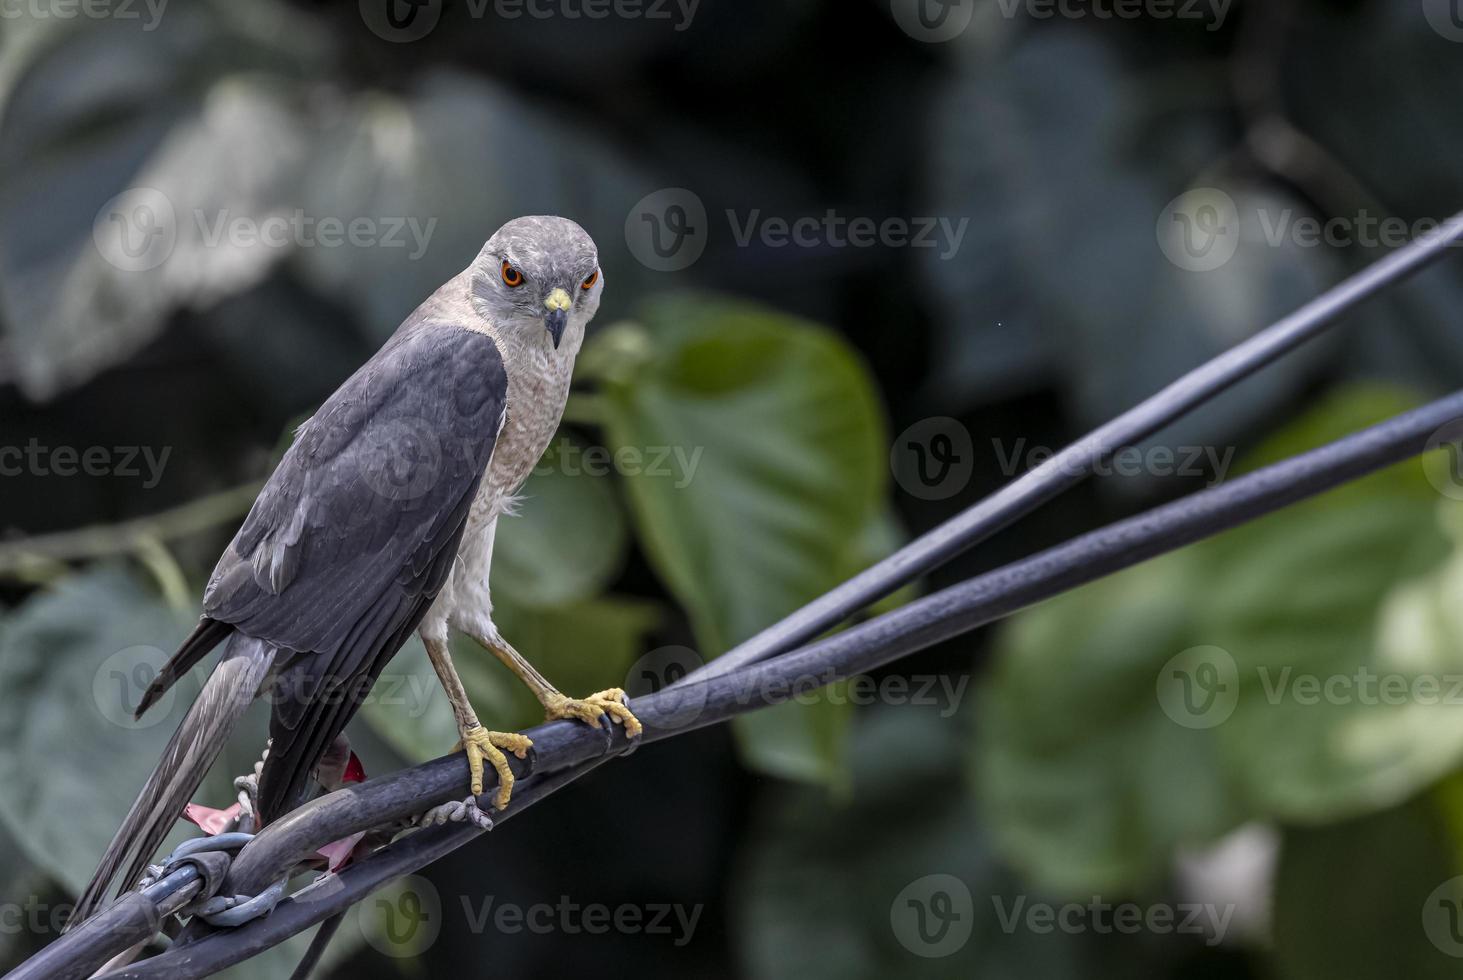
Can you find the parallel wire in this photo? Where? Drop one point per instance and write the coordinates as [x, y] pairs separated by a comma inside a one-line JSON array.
[[675, 711], [1075, 463], [757, 672]]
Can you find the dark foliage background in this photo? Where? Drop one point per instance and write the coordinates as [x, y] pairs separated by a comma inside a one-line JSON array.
[[812, 388]]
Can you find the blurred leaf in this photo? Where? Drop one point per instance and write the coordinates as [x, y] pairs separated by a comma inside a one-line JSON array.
[[447, 159], [1084, 781], [1065, 154], [779, 442], [1091, 777], [407, 706], [67, 686], [581, 649], [73, 662], [19, 878], [1367, 898], [568, 538], [833, 891], [127, 148]]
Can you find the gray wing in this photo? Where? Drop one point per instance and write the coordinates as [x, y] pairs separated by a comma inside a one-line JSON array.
[[356, 531], [376, 484]]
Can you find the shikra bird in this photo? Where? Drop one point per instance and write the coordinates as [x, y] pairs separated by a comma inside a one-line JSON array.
[[378, 521]]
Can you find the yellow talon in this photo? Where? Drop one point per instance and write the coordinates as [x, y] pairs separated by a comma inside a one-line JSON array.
[[481, 744], [609, 703]]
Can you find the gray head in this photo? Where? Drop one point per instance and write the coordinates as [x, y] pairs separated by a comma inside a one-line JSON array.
[[537, 274]]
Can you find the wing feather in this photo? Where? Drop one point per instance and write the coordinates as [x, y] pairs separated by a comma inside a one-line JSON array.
[[353, 536]]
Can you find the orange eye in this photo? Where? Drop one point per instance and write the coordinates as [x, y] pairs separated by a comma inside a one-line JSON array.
[[511, 276], [589, 283]]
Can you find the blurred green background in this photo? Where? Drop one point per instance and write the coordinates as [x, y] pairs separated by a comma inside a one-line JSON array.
[[1241, 760]]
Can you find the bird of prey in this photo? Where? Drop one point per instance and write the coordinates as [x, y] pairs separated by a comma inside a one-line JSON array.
[[378, 521]]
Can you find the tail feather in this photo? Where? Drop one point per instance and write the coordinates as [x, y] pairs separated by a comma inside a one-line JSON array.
[[203, 734], [208, 634]]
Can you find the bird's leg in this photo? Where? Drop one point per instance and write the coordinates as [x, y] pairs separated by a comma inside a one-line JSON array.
[[479, 743], [610, 704]]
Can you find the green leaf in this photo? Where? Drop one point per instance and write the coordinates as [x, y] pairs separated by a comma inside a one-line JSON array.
[[1369, 898], [774, 443], [107, 226], [581, 649], [568, 539], [1085, 782], [75, 660], [832, 889], [1092, 765]]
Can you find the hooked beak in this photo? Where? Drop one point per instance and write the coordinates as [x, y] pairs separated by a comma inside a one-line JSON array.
[[558, 305]]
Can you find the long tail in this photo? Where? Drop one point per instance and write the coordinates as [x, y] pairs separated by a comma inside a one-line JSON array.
[[205, 730]]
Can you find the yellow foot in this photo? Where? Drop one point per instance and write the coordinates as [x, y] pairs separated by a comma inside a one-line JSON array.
[[480, 744], [590, 710]]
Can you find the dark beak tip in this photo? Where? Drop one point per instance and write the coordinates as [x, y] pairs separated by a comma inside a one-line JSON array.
[[555, 323]]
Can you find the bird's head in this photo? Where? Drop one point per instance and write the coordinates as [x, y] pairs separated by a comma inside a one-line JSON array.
[[537, 276]]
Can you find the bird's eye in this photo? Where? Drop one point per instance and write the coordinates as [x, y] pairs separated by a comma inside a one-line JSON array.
[[511, 276], [589, 283]]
